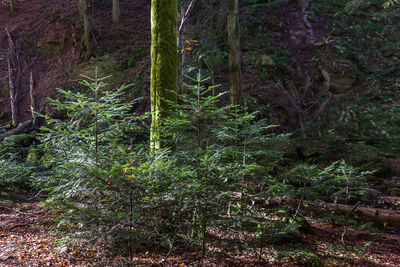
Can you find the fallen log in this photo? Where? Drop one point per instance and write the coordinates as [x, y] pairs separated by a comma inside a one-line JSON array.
[[380, 216], [384, 217]]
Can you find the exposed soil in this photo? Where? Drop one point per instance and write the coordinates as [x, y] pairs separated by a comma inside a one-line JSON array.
[[27, 238], [48, 39]]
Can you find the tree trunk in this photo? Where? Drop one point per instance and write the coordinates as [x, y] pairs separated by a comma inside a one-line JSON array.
[[81, 8], [87, 26], [12, 9], [13, 93], [235, 74], [181, 47], [164, 60], [33, 105], [116, 12]]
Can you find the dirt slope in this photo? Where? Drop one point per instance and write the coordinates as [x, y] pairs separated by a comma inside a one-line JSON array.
[[47, 35]]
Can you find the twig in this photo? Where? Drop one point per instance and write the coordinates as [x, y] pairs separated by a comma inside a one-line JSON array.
[[345, 226], [168, 254]]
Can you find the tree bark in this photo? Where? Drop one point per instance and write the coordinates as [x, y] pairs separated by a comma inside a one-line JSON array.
[[87, 26], [381, 216], [81, 8], [116, 12], [235, 74], [164, 60], [14, 72], [13, 93], [33, 105], [12, 9]]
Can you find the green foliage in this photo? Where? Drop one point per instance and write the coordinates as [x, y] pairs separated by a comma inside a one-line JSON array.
[[107, 183], [110, 186], [217, 152], [13, 170], [301, 257], [88, 158], [10, 171], [337, 181]]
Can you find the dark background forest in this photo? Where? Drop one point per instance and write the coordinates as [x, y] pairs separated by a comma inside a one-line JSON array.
[[300, 168]]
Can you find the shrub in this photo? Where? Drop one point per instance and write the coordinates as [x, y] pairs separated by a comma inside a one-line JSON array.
[[110, 186]]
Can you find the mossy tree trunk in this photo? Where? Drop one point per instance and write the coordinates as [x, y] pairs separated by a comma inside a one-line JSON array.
[[164, 60], [235, 73], [12, 9], [116, 12], [80, 8]]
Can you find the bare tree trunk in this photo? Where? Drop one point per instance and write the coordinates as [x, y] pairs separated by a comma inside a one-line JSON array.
[[81, 8], [181, 36], [13, 75], [116, 12], [235, 73], [182, 58], [87, 26], [13, 93]]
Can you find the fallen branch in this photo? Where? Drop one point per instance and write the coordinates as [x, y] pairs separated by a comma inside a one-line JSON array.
[[25, 127]]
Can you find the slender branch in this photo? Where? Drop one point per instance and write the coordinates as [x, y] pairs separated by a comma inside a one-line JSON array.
[[184, 21]]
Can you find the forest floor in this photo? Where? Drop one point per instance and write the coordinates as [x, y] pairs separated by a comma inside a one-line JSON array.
[[27, 238]]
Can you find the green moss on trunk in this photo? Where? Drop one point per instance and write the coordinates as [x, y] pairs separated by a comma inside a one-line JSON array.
[[12, 10], [164, 60]]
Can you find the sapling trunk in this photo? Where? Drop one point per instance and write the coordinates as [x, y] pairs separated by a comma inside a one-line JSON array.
[[96, 119], [116, 12]]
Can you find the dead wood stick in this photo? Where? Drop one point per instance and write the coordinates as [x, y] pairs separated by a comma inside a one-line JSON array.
[[13, 80], [32, 97], [12, 93]]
